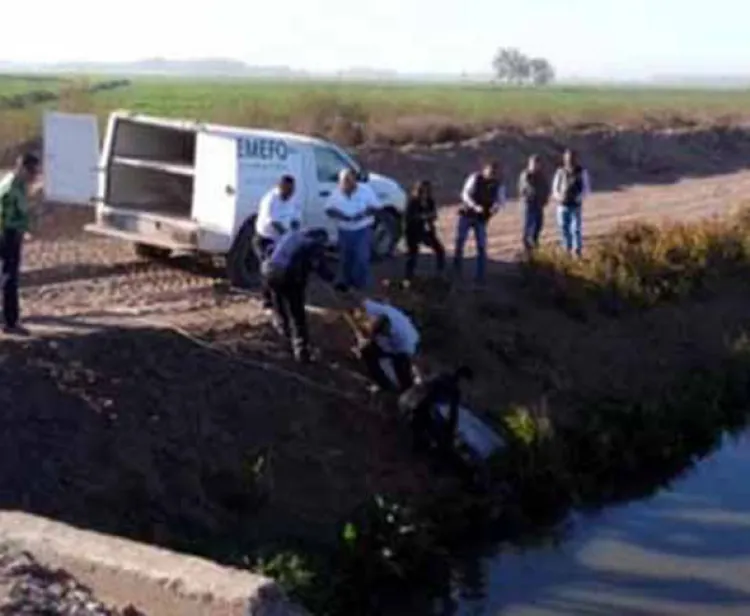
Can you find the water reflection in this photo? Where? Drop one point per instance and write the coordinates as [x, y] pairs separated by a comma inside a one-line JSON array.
[[684, 551]]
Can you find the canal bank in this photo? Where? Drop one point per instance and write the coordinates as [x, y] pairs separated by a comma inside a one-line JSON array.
[[684, 551]]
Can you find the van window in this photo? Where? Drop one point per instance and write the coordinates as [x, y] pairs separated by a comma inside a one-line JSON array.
[[329, 163]]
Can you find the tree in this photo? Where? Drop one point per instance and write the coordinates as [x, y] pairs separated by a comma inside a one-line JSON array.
[[513, 67], [541, 72]]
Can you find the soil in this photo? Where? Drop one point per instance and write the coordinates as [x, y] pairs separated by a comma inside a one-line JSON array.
[[116, 418], [27, 587]]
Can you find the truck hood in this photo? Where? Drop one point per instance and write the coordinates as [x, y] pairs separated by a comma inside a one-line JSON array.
[[388, 191]]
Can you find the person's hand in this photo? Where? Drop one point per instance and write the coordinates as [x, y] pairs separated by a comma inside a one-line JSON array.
[[27, 237]]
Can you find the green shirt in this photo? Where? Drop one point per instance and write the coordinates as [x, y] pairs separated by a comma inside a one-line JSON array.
[[14, 205]]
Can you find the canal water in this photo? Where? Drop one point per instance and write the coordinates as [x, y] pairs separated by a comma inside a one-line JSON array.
[[685, 550]]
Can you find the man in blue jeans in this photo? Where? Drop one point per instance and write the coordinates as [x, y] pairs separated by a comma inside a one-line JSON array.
[[352, 206], [570, 187], [482, 197], [534, 190]]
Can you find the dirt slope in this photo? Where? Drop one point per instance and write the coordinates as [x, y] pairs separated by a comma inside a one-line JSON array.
[[113, 421]]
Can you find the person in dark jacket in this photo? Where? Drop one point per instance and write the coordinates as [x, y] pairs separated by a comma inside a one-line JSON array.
[[482, 197], [534, 191], [286, 272], [14, 226], [420, 402], [421, 216]]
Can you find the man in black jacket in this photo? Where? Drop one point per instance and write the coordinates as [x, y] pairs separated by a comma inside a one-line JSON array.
[[482, 197], [286, 272], [422, 401]]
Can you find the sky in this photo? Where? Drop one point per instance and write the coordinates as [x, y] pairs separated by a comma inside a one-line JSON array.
[[582, 38]]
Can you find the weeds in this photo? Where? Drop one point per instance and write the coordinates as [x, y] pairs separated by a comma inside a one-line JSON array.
[[643, 265]]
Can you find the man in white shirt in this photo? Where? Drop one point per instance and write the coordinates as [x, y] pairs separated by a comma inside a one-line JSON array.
[[353, 205], [482, 197], [278, 212], [570, 186], [387, 335]]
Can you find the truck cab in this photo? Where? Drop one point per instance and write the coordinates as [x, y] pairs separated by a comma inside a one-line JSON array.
[[168, 185]]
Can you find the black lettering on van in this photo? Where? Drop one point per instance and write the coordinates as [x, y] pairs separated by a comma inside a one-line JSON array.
[[262, 149]]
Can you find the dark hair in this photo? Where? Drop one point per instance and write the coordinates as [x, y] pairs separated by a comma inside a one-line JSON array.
[[286, 179], [464, 372], [419, 186], [29, 161]]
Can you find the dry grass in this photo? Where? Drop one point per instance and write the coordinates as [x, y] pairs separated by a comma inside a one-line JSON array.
[[354, 113]]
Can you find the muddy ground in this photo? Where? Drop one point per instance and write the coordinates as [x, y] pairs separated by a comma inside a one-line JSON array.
[[116, 418]]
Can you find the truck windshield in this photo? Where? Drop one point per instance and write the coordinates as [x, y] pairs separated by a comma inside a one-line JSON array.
[[352, 162]]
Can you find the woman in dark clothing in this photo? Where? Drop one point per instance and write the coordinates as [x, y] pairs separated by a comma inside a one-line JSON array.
[[421, 216]]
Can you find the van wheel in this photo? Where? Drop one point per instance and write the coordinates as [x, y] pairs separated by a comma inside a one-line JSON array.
[[242, 265], [152, 253], [386, 233]]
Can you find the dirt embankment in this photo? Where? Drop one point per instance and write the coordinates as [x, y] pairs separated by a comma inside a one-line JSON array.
[[116, 422]]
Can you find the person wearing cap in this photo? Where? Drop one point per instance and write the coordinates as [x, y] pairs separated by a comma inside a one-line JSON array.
[[14, 226], [285, 272], [278, 212], [352, 206]]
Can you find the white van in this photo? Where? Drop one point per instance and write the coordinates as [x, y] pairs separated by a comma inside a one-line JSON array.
[[182, 186]]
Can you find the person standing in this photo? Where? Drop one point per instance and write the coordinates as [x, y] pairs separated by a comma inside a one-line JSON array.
[[353, 205], [278, 212], [286, 272], [482, 197], [534, 191], [421, 217], [14, 226], [570, 186]]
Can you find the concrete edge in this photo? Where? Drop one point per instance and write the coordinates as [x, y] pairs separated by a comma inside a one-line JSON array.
[[167, 578]]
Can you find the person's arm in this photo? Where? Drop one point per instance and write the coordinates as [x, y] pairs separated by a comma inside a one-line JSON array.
[[467, 191], [334, 212], [524, 187], [372, 203], [431, 213], [586, 180], [454, 402], [556, 186], [320, 264]]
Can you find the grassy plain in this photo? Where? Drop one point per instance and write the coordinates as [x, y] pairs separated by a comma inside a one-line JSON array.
[[353, 113]]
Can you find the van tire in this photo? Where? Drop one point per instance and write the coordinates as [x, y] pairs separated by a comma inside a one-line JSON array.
[[151, 253], [386, 234], [242, 265]]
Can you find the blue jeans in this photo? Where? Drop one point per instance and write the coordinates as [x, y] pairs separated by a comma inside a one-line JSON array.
[[479, 227], [533, 221], [355, 250], [569, 221]]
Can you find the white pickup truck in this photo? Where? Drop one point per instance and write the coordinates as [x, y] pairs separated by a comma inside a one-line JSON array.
[[182, 186]]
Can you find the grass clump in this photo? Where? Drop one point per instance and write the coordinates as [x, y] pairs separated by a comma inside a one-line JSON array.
[[644, 265]]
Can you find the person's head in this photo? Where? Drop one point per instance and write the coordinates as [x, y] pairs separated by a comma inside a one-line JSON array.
[[422, 190], [570, 158], [491, 170], [347, 181], [535, 163], [464, 373], [286, 186], [27, 167]]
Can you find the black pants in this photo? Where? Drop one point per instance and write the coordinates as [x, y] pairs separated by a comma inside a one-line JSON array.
[[288, 304], [371, 355], [262, 246], [416, 237], [10, 254]]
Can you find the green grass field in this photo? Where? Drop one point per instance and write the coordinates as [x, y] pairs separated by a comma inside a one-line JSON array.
[[356, 112], [12, 85]]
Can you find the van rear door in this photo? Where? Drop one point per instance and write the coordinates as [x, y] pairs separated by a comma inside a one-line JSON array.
[[215, 189], [71, 157]]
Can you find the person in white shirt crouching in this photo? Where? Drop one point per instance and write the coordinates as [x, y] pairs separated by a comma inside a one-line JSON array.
[[278, 212], [353, 205]]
